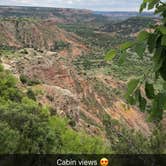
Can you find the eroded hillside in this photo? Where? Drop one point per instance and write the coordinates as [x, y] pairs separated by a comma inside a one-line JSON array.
[[37, 34], [42, 56], [84, 100]]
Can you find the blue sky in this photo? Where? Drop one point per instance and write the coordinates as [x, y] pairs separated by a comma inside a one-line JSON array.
[[100, 5]]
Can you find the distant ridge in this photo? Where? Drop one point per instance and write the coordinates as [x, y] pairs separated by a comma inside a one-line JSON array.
[[43, 8], [124, 14], [14, 9], [62, 15]]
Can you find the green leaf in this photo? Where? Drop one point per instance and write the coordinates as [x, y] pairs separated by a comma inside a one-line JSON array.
[[163, 40], [122, 57], [143, 6], [163, 100], [152, 42], [110, 55], [142, 103], [126, 45], [131, 100], [142, 36], [162, 29], [141, 100], [149, 89], [148, 1], [158, 106], [158, 59], [132, 85], [152, 4], [140, 49], [164, 85], [163, 69], [160, 9]]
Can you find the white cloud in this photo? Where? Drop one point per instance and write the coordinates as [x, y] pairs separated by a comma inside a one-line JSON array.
[[111, 5]]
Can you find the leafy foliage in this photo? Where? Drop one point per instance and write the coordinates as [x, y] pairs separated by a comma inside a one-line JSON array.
[[110, 55], [155, 44], [149, 89]]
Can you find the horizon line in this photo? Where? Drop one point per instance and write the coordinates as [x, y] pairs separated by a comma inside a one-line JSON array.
[[31, 6]]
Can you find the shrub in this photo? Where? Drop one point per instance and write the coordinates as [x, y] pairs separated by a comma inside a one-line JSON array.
[[25, 80], [31, 94]]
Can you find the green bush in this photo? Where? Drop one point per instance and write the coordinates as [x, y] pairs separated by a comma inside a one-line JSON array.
[[9, 138], [31, 94], [60, 45], [26, 80], [26, 127]]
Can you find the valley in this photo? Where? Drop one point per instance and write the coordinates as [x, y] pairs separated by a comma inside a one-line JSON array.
[[57, 57]]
